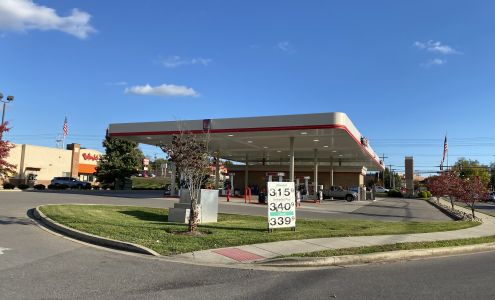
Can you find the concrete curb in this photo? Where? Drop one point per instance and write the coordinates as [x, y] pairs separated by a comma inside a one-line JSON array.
[[375, 257], [443, 209], [90, 238]]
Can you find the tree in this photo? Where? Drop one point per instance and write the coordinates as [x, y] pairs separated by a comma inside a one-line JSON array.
[[492, 175], [121, 160], [470, 169], [447, 184], [6, 168], [193, 161], [385, 176], [436, 187], [472, 191], [157, 164]]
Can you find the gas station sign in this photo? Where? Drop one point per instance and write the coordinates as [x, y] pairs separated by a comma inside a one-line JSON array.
[[281, 205]]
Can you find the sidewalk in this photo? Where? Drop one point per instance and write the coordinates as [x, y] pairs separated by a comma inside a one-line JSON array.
[[259, 252]]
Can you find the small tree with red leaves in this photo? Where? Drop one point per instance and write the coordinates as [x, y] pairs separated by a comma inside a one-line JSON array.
[[447, 184], [6, 168], [472, 191], [436, 187]]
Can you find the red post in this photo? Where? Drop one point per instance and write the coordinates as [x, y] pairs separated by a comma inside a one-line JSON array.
[[228, 194]]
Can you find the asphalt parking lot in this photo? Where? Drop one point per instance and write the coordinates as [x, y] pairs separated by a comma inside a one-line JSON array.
[[386, 209]]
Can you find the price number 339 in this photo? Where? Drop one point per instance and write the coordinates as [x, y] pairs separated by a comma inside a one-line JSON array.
[[280, 221]]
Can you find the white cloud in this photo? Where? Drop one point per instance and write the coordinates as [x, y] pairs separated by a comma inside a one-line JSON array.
[[436, 46], [285, 46], [434, 62], [177, 61], [166, 90], [23, 15]]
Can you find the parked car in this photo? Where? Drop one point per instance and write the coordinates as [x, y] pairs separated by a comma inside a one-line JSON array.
[[491, 196], [381, 189], [70, 182], [340, 193], [353, 189]]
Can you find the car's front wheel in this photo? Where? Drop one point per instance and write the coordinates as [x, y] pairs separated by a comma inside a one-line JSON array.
[[349, 198]]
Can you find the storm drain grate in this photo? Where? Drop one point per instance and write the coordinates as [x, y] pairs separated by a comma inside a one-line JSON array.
[[238, 254]]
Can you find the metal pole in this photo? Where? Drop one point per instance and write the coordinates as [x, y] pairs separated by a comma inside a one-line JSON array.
[[389, 175], [246, 172], [3, 112], [315, 181], [331, 171], [291, 159]]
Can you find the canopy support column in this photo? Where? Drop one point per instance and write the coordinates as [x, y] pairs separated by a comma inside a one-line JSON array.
[[291, 169], [246, 172], [331, 171], [315, 181]]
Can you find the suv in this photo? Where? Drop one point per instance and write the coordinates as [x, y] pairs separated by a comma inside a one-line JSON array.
[[339, 192], [381, 189], [70, 182]]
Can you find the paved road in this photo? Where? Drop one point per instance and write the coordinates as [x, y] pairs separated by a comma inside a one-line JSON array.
[[35, 264]]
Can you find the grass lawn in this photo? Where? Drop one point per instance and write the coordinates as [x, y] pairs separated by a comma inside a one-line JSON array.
[[395, 247], [149, 182], [149, 227]]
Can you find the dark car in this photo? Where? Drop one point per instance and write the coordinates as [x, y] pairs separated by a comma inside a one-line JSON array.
[[70, 182]]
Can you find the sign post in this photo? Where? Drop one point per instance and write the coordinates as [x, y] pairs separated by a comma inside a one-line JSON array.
[[281, 205]]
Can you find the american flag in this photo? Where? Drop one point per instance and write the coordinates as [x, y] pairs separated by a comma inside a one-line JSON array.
[[445, 150], [66, 127]]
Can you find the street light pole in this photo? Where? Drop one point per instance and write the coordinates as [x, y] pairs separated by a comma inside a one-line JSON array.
[[7, 100]]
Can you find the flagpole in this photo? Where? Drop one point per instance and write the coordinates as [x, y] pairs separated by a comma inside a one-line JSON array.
[[448, 166]]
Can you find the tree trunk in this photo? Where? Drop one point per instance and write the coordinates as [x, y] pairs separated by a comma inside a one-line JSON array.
[[193, 216], [452, 202], [438, 200], [472, 209]]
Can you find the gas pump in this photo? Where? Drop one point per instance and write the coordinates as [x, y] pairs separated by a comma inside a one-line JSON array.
[[305, 195], [231, 177], [270, 176]]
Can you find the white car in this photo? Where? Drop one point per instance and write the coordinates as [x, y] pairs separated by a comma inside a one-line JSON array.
[[381, 189]]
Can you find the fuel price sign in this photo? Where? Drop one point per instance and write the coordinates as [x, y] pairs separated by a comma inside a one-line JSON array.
[[281, 205]]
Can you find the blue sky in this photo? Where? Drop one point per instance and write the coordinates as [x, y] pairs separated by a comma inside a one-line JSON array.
[[405, 73]]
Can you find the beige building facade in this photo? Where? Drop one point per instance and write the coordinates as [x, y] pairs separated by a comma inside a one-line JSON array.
[[44, 163]]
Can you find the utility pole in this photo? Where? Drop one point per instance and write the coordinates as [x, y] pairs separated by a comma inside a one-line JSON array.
[[393, 179], [390, 174], [383, 162]]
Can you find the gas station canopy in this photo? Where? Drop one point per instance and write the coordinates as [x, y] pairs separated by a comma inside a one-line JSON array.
[[327, 137]]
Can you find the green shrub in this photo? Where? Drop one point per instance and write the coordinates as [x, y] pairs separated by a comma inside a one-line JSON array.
[[421, 194], [428, 194], [58, 187], [8, 186], [22, 186], [394, 193], [39, 186], [107, 187]]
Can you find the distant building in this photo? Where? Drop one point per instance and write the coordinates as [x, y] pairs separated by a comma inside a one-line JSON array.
[[46, 163]]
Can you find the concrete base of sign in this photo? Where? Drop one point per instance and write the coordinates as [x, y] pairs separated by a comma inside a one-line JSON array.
[[207, 207], [179, 215]]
